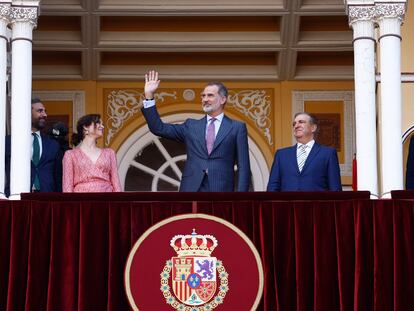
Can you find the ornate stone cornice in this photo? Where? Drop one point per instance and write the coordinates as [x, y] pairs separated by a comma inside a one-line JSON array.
[[390, 10], [24, 14], [360, 13]]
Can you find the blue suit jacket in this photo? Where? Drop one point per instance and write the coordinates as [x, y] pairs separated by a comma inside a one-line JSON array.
[[320, 172], [49, 167], [409, 174], [230, 148]]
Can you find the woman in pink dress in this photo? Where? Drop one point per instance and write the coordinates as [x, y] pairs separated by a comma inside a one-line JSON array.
[[88, 168]]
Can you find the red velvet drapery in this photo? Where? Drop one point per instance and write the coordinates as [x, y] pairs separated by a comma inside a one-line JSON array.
[[323, 252]]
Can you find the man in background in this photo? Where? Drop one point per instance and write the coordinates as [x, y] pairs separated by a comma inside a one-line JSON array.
[[46, 163], [306, 166]]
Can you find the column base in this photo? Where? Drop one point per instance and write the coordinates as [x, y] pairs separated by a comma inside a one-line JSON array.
[[15, 197]]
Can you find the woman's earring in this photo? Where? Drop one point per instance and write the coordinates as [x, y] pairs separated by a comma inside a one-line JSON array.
[[86, 132]]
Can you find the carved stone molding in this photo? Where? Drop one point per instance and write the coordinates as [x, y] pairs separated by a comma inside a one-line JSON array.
[[347, 97], [122, 105], [360, 13], [390, 10], [256, 105], [77, 98], [24, 14]]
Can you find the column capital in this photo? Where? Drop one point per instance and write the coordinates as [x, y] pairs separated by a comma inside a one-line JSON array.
[[358, 13], [390, 10], [25, 14]]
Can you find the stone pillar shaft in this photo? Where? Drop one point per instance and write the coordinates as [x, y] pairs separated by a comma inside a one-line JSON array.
[[391, 105], [365, 110], [23, 22], [4, 20]]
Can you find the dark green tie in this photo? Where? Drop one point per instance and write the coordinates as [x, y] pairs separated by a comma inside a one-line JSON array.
[[35, 160]]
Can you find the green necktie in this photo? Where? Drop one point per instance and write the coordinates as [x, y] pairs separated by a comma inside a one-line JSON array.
[[35, 160]]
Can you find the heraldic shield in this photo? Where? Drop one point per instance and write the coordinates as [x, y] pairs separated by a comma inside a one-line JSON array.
[[194, 279], [193, 274]]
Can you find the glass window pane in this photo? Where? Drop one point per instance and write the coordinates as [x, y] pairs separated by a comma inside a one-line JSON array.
[[137, 180]]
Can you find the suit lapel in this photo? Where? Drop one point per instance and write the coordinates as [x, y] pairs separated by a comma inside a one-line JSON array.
[[314, 151], [200, 130], [44, 150], [225, 128], [292, 158]]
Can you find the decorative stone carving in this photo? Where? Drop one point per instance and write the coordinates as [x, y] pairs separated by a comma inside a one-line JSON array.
[[122, 105], [254, 104], [5, 10], [390, 10], [360, 13], [377, 11], [24, 14], [189, 95]]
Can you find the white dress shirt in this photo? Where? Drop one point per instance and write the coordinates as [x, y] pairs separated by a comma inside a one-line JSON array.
[[217, 123]]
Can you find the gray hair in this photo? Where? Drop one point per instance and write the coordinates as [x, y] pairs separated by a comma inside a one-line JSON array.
[[312, 118], [222, 90]]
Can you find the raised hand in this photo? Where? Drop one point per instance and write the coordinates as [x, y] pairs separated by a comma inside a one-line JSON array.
[[151, 84]]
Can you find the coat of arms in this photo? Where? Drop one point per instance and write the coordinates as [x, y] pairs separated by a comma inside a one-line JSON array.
[[193, 280]]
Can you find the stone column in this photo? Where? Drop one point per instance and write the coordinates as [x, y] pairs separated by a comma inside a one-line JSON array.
[[4, 21], [361, 19], [23, 20], [389, 17]]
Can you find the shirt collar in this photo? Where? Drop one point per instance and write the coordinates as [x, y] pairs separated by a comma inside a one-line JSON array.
[[37, 133], [218, 118], [309, 144]]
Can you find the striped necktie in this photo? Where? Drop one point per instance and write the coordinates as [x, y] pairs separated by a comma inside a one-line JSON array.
[[211, 135], [301, 157]]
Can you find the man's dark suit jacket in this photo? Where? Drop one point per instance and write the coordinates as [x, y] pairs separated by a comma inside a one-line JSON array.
[[49, 167], [230, 148], [320, 172], [409, 174]]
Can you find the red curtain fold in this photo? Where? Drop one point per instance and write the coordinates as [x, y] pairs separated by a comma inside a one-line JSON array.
[[345, 252], [383, 255], [317, 255], [64, 256], [5, 237], [403, 227]]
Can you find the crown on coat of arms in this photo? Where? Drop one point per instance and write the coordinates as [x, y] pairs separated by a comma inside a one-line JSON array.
[[193, 244]]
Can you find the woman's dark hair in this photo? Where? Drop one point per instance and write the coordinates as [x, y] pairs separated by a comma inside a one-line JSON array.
[[83, 122]]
